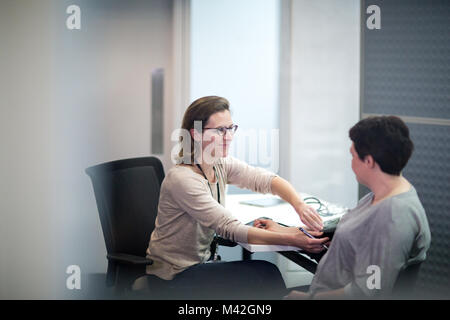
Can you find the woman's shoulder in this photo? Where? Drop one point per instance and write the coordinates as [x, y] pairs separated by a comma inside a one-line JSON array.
[[181, 175], [405, 201], [399, 211], [231, 162], [181, 181]]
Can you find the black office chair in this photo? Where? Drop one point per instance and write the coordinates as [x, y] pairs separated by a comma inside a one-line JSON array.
[[127, 195]]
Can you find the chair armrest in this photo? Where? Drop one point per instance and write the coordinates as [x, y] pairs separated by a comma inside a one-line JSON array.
[[225, 242], [128, 259]]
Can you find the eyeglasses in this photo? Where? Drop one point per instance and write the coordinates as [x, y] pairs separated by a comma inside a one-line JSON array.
[[223, 130]]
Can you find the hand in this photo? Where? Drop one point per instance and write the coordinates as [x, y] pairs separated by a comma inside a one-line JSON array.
[[296, 295], [301, 240], [309, 216], [269, 225]]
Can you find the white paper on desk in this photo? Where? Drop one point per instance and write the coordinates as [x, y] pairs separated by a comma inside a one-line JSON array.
[[284, 214], [266, 248]]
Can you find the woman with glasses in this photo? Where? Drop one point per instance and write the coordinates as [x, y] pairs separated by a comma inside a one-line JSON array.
[[191, 211]]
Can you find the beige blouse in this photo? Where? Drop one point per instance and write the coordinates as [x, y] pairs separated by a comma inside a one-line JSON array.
[[188, 215]]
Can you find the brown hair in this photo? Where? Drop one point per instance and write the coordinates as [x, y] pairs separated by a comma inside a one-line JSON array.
[[199, 110]]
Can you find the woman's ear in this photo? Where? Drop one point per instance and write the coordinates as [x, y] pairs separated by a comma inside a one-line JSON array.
[[369, 161]]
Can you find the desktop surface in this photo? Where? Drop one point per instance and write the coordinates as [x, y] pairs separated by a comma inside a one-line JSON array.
[[245, 209]]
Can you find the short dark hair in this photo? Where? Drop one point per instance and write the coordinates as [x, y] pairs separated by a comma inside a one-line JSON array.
[[386, 139]]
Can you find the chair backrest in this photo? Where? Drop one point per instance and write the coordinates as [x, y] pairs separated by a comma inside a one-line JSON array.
[[406, 281], [127, 196]]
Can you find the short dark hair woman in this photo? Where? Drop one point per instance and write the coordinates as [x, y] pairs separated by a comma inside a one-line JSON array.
[[388, 230], [386, 139], [191, 210]]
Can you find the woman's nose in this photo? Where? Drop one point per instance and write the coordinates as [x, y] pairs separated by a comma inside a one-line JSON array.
[[228, 135]]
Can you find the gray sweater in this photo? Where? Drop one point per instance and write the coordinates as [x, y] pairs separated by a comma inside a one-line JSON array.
[[188, 215], [389, 235]]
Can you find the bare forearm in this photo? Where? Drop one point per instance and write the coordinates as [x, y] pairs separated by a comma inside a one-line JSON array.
[[261, 236], [297, 239], [288, 229], [306, 213], [271, 225], [285, 191]]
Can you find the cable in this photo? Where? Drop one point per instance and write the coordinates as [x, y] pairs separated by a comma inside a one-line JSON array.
[[322, 209]]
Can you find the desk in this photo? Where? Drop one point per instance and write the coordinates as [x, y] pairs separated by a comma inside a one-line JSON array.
[[282, 213]]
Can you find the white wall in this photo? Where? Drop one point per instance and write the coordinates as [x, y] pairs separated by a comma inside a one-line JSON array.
[[235, 54], [323, 79], [324, 101], [27, 240], [103, 108], [69, 100]]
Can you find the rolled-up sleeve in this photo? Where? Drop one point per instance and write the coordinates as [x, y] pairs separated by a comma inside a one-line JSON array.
[[193, 196], [245, 176]]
